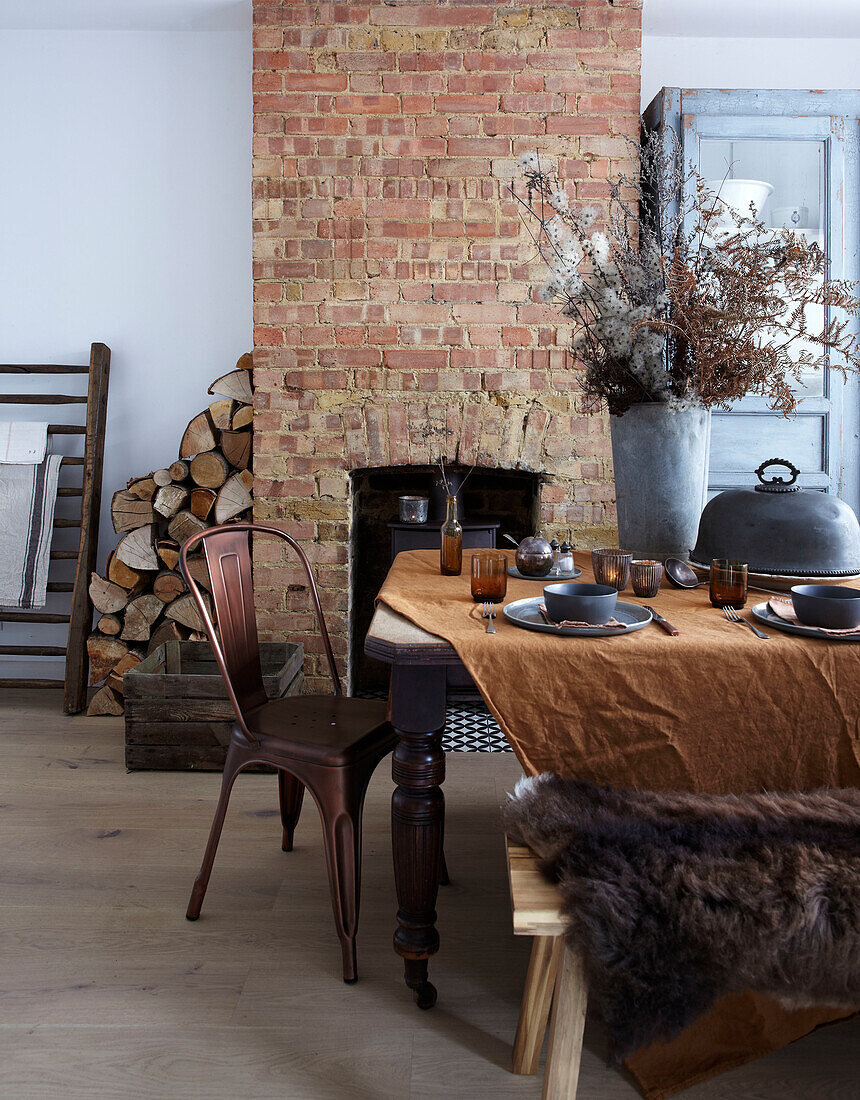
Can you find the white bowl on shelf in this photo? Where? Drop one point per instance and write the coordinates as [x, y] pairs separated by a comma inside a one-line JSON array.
[[732, 194]]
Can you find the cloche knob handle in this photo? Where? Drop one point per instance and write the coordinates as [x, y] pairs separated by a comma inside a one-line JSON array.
[[795, 473]]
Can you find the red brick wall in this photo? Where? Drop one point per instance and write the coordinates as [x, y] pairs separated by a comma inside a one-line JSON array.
[[394, 283]]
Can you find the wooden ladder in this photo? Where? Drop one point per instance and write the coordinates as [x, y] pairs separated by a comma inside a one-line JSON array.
[[79, 616]]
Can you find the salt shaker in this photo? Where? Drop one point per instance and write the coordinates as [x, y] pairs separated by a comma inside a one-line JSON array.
[[565, 558], [554, 570]]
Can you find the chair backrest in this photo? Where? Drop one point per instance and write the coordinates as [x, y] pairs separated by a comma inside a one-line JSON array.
[[235, 641]]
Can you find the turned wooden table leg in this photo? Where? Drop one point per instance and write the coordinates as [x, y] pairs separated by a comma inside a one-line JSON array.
[[417, 817]]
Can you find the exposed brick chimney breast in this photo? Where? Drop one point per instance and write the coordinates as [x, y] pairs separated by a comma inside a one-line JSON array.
[[395, 302]]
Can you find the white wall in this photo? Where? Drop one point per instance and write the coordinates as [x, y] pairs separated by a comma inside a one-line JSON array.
[[125, 217], [678, 62]]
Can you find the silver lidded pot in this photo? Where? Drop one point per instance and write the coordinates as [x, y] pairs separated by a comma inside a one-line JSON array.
[[781, 529], [534, 555]]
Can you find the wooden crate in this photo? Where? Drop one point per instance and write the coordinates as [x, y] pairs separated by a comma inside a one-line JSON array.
[[177, 714]]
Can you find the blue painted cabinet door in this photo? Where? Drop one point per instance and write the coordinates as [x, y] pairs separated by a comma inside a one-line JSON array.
[[801, 171]]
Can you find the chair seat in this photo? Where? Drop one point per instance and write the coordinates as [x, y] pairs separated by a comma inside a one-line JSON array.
[[324, 729]]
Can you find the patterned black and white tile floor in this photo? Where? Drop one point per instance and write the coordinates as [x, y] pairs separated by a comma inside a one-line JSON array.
[[469, 727]]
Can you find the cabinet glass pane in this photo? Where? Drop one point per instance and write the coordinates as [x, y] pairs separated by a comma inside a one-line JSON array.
[[794, 196], [741, 442]]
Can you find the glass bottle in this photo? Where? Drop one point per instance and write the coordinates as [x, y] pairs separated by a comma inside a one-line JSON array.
[[451, 557]]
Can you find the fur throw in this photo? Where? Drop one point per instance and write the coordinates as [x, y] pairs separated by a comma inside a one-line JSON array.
[[675, 900]]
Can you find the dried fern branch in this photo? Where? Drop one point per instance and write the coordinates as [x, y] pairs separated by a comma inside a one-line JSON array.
[[683, 300]]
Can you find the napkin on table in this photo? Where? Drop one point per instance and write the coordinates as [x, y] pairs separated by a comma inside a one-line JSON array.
[[612, 623]]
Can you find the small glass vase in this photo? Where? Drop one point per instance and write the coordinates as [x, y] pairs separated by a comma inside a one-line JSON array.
[[451, 554]]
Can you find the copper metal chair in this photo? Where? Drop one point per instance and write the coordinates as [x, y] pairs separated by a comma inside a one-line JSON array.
[[328, 744]]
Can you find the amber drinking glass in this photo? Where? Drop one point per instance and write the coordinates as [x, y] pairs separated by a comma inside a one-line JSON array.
[[611, 567], [728, 583], [489, 577]]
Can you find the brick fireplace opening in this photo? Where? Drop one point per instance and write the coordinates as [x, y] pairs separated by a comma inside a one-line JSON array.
[[509, 498], [396, 308]]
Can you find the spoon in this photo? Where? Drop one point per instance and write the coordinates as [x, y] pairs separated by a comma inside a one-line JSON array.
[[682, 576]]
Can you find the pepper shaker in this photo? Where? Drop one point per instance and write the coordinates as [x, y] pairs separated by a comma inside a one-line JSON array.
[[555, 570]]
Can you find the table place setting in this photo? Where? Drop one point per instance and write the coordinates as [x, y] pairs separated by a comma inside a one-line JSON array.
[[568, 610], [531, 614], [781, 612], [577, 610]]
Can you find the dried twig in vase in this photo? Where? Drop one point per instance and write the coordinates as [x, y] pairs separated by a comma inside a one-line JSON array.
[[447, 483]]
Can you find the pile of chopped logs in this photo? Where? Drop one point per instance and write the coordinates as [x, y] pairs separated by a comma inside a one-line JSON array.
[[142, 600]]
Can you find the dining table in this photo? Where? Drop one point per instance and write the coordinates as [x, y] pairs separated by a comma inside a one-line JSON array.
[[713, 708]]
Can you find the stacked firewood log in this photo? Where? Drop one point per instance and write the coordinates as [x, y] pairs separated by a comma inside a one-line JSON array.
[[142, 600]]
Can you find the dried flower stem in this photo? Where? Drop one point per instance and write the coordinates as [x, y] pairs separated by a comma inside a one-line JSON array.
[[685, 300], [445, 481]]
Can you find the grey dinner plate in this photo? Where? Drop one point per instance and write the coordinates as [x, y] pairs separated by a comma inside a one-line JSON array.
[[764, 614], [526, 613], [514, 572]]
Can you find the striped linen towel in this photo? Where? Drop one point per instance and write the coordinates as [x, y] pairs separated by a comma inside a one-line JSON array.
[[27, 498], [23, 441]]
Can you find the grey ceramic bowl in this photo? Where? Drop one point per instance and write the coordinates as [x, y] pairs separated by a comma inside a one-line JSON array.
[[828, 605], [580, 603]]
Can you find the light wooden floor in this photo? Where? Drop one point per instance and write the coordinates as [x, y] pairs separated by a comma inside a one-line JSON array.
[[108, 992]]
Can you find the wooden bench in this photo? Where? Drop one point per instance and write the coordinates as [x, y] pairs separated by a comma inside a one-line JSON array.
[[555, 978]]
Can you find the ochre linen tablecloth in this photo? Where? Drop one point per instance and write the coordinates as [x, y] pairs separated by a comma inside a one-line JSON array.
[[714, 710]]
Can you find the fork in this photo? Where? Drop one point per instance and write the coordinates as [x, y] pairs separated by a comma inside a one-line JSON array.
[[489, 612], [734, 617]]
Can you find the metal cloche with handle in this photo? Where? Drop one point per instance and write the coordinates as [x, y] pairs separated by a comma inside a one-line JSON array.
[[779, 528]]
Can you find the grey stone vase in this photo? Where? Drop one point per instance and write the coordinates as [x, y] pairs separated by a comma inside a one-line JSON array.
[[660, 457]]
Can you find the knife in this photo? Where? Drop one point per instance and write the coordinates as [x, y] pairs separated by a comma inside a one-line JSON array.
[[658, 618]]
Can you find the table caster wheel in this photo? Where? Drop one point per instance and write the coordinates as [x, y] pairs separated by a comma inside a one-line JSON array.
[[424, 995]]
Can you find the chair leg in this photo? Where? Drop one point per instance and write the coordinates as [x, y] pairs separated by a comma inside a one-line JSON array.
[[341, 805], [233, 763], [568, 1024], [537, 998], [290, 793]]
